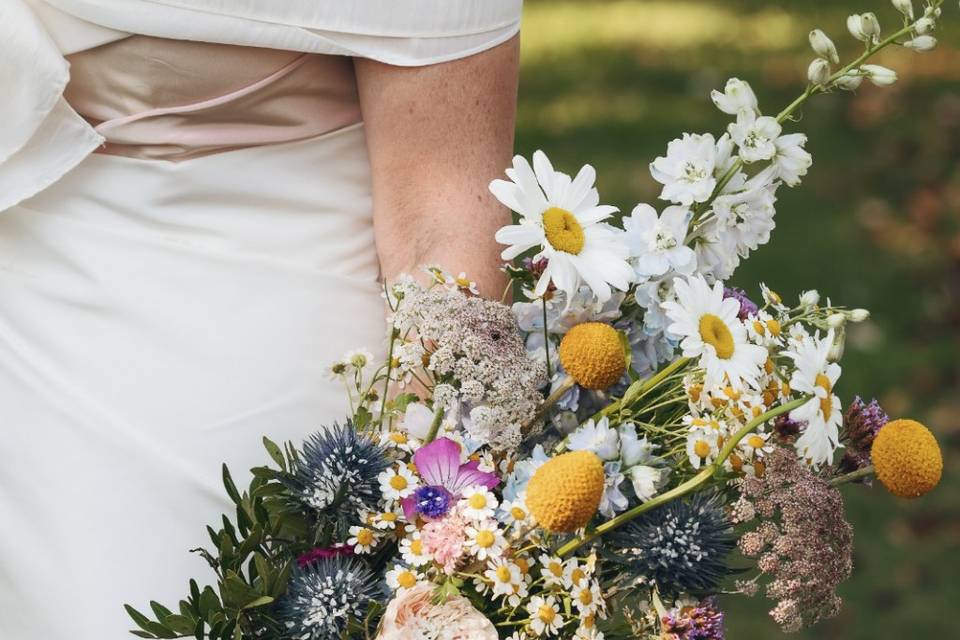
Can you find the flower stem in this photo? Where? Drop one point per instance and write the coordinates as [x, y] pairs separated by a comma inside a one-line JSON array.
[[565, 385], [640, 388], [434, 426], [687, 487], [546, 338], [853, 476]]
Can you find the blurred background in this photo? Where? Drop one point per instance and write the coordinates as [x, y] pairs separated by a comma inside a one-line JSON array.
[[875, 224]]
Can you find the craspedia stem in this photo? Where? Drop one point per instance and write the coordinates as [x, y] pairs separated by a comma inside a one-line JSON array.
[[853, 476], [683, 489], [434, 426]]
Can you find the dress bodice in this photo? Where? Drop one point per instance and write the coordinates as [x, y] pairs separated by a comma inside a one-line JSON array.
[[174, 99]]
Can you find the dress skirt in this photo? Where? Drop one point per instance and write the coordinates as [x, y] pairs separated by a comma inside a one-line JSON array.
[[156, 320]]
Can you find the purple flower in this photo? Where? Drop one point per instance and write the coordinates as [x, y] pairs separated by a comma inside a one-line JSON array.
[[321, 553], [439, 467], [862, 423], [747, 306], [702, 622], [433, 502]]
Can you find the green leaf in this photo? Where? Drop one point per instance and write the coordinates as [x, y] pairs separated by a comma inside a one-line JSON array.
[[142, 634], [209, 602], [159, 610], [275, 452], [230, 487], [362, 418], [181, 624], [259, 602], [141, 620], [627, 350], [236, 593]]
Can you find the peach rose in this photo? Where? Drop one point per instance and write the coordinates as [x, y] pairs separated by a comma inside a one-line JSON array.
[[414, 615]]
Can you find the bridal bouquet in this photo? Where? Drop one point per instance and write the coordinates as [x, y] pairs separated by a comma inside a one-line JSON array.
[[602, 459]]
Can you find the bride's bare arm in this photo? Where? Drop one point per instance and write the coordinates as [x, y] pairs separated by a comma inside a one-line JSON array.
[[437, 135]]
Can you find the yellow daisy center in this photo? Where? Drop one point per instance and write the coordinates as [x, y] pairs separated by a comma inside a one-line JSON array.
[[399, 438], [546, 614], [503, 574], [563, 231], [485, 539], [586, 597], [715, 332], [364, 537], [826, 405], [398, 482], [406, 580], [756, 442], [701, 448], [477, 501], [388, 517], [774, 327], [523, 564], [577, 575], [517, 513], [416, 547], [556, 569]]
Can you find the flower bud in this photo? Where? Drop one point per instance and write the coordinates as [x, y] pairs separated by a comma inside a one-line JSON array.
[[850, 81], [855, 27], [835, 354], [836, 320], [859, 315], [924, 25], [819, 71], [823, 46], [932, 12], [880, 76], [921, 43], [905, 7], [870, 25], [810, 298]]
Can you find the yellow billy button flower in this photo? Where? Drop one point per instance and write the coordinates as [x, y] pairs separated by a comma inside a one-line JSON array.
[[907, 458], [563, 231], [564, 494], [714, 331], [593, 355]]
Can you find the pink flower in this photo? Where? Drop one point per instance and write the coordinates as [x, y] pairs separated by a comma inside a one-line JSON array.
[[438, 464], [443, 539], [413, 615]]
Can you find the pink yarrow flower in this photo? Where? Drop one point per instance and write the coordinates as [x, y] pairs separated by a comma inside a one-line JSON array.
[[414, 615]]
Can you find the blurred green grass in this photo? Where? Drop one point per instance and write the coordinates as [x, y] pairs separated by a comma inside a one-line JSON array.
[[874, 225]]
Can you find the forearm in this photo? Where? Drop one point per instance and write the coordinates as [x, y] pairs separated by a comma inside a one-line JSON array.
[[437, 135]]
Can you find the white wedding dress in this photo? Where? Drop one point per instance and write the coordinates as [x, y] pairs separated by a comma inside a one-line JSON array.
[[167, 301]]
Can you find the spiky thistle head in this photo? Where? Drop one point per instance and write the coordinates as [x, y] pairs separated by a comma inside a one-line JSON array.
[[323, 597], [336, 473], [681, 546]]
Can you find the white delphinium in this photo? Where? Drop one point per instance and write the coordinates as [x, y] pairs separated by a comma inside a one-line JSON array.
[[563, 217], [755, 136], [657, 242], [598, 437], [924, 25], [717, 256], [823, 46], [737, 96], [650, 296], [864, 27], [921, 43], [879, 75], [687, 171], [850, 81], [905, 7], [612, 501], [747, 216], [818, 72], [791, 161]]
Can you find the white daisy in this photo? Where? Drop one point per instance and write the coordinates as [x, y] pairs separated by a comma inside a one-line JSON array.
[[545, 618], [362, 539], [551, 570], [386, 520], [765, 330], [397, 482], [478, 503], [485, 540], [505, 576], [687, 171], [401, 579], [462, 282], [657, 242], [817, 376], [711, 331], [564, 219], [703, 445], [586, 597], [413, 551]]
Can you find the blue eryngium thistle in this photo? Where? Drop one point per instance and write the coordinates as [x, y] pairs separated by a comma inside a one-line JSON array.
[[324, 597], [336, 473], [681, 546]]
